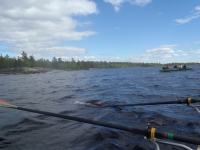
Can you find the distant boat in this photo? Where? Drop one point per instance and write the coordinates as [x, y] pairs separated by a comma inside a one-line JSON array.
[[178, 69]]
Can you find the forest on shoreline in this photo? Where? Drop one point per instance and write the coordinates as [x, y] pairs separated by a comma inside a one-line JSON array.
[[15, 65]]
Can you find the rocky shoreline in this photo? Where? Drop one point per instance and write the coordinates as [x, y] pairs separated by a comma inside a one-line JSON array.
[[24, 70]]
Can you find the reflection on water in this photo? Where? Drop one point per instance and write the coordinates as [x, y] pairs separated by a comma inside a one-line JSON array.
[[68, 92]]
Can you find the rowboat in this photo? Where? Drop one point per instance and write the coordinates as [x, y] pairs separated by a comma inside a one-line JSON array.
[[171, 70]]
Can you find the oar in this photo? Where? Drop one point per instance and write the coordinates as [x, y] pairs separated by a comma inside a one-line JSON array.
[[149, 133], [187, 101]]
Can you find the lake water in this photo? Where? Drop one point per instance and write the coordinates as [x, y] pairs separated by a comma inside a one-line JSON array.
[[67, 92]]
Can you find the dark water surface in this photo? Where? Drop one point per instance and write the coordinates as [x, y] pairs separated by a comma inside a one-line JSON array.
[[64, 92]]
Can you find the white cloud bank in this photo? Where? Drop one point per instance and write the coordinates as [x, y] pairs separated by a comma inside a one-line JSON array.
[[164, 54], [195, 15], [37, 27], [117, 3], [197, 51]]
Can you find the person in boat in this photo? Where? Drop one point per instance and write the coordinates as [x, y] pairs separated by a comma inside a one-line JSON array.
[[180, 66], [167, 67], [175, 67], [184, 66]]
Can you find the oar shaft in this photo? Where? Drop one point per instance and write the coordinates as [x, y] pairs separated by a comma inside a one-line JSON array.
[[158, 103], [115, 126], [178, 138], [95, 122], [142, 104]]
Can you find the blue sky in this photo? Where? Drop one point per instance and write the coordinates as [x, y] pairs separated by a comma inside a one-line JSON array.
[[102, 30]]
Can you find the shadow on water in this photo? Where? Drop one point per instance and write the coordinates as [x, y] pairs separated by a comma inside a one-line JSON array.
[[69, 93]]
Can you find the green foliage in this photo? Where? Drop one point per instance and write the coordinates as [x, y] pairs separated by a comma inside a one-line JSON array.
[[32, 61], [24, 56], [25, 61], [54, 63]]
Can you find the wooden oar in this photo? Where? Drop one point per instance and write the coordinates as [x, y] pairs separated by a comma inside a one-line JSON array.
[[150, 133], [187, 101]]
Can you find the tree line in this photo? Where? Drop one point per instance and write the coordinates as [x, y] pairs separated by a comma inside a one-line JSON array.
[[57, 63]]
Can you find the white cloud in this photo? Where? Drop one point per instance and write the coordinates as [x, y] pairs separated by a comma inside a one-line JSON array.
[[169, 46], [182, 21], [161, 52], [49, 52], [195, 15], [171, 53], [65, 51], [179, 51], [197, 8], [164, 53], [38, 27], [140, 2], [100, 58], [197, 52], [117, 3], [139, 58], [176, 55]]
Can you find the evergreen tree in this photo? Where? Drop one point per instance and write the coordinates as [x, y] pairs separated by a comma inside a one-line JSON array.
[[1, 62], [25, 60], [54, 62], [32, 60], [24, 56]]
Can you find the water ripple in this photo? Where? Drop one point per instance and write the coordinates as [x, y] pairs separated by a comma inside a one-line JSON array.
[[69, 93]]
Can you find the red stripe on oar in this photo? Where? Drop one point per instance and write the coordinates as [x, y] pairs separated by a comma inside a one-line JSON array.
[[6, 104]]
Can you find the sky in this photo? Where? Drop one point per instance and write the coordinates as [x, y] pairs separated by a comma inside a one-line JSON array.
[[150, 31]]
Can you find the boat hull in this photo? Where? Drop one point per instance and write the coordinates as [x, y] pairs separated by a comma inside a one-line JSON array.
[[172, 70]]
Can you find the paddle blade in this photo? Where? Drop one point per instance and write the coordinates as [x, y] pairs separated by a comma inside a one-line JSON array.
[[97, 104], [4, 104]]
